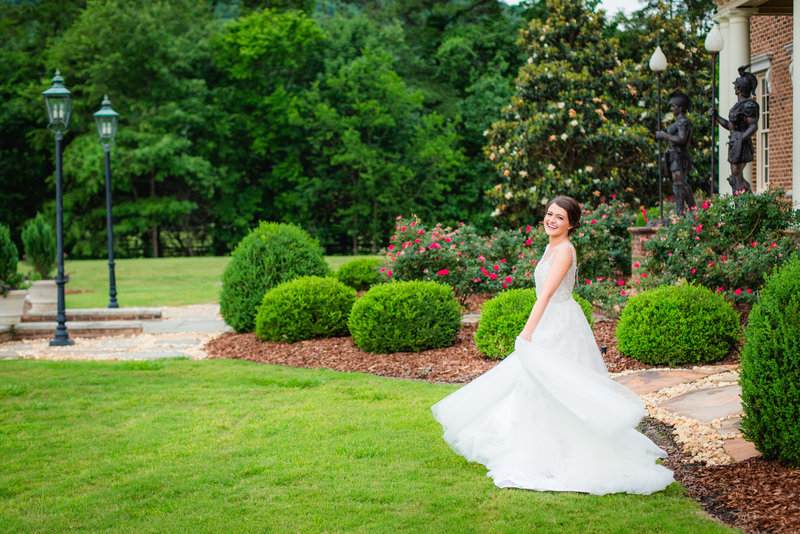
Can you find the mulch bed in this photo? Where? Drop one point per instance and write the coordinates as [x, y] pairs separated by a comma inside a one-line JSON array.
[[756, 495]]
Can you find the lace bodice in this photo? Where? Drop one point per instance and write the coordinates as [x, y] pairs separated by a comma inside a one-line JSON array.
[[564, 290]]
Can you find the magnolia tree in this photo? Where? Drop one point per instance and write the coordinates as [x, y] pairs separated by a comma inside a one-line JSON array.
[[583, 118]]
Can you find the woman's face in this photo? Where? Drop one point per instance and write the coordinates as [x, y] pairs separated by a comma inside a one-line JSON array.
[[556, 221]]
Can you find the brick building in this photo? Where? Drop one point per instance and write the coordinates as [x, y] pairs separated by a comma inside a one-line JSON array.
[[760, 33]]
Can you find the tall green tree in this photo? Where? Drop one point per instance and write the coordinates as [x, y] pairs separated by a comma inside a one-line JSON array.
[[574, 125], [152, 58]]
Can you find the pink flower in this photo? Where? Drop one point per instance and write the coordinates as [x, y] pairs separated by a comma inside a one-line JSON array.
[[403, 229], [636, 265], [447, 239], [504, 285], [720, 290], [417, 240], [749, 291], [508, 279], [620, 283], [421, 250], [388, 273], [644, 275], [502, 261], [699, 228], [528, 274], [600, 279], [737, 292], [613, 196], [529, 241], [443, 272], [711, 263], [399, 217], [394, 237], [588, 282], [593, 221], [528, 228], [390, 247], [406, 245], [477, 280], [413, 223], [484, 271], [421, 232], [755, 243], [669, 253], [383, 269], [492, 276], [772, 245], [622, 292], [496, 267]]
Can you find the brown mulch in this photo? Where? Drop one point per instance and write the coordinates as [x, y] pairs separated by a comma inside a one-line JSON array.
[[756, 495]]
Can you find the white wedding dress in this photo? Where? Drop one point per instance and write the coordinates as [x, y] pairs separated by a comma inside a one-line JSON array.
[[549, 418]]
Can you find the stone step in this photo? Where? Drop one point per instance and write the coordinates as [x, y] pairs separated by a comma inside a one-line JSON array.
[[99, 314], [46, 329]]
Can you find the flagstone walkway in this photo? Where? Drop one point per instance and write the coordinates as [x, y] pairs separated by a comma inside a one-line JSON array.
[[702, 403]]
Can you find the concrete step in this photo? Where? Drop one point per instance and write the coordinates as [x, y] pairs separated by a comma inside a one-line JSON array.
[[99, 314], [46, 329]]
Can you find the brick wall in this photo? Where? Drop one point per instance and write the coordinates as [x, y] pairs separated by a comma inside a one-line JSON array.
[[772, 34]]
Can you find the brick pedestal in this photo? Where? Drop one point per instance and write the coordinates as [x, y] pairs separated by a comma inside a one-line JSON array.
[[639, 234]]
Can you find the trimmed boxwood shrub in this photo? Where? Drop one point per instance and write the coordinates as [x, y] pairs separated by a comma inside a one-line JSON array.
[[504, 317], [770, 373], [305, 308], [675, 325], [360, 273], [405, 317], [270, 254]]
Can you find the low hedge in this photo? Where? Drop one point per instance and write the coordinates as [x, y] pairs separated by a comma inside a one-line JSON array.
[[676, 325], [305, 308], [405, 317]]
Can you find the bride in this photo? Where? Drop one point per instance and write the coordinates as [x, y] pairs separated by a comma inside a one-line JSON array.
[[548, 417]]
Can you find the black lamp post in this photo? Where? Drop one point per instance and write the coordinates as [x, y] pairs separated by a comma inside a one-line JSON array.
[[58, 101], [658, 64], [714, 44], [106, 119]]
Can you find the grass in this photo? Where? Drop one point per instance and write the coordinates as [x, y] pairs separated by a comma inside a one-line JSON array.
[[151, 281], [230, 446]]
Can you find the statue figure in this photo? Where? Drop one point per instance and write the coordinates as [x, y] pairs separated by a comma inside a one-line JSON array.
[[678, 159], [742, 123]]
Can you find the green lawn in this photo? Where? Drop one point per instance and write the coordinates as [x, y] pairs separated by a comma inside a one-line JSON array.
[[227, 446], [151, 281]]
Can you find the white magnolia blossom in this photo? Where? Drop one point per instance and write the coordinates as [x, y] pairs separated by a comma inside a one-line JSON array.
[[508, 195], [589, 168], [682, 46], [573, 122], [551, 167], [564, 136], [543, 202], [561, 105]]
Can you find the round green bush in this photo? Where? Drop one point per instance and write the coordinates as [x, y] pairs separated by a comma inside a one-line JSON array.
[[270, 254], [675, 325], [360, 273], [770, 372], [305, 308], [504, 317], [39, 243], [405, 317]]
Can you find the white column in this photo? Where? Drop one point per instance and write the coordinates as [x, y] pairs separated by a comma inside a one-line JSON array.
[[795, 111], [724, 90], [735, 54]]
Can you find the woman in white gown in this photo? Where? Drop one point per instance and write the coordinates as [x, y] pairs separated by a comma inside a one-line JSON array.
[[548, 417]]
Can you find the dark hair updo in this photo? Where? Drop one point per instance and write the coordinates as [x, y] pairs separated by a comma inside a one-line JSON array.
[[572, 208]]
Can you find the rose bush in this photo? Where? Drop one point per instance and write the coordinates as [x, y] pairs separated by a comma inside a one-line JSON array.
[[728, 245]]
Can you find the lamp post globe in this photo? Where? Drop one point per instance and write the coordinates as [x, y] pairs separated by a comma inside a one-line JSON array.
[[106, 119], [58, 102], [658, 64]]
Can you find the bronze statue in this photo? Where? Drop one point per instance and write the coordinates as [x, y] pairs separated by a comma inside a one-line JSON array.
[[742, 123], [678, 159]]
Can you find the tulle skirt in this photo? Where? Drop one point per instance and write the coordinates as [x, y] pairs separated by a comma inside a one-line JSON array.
[[548, 417]]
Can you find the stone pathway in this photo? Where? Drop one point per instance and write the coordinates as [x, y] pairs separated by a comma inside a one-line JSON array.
[[701, 403]]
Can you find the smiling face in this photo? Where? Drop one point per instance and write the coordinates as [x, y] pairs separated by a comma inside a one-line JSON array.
[[556, 221]]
